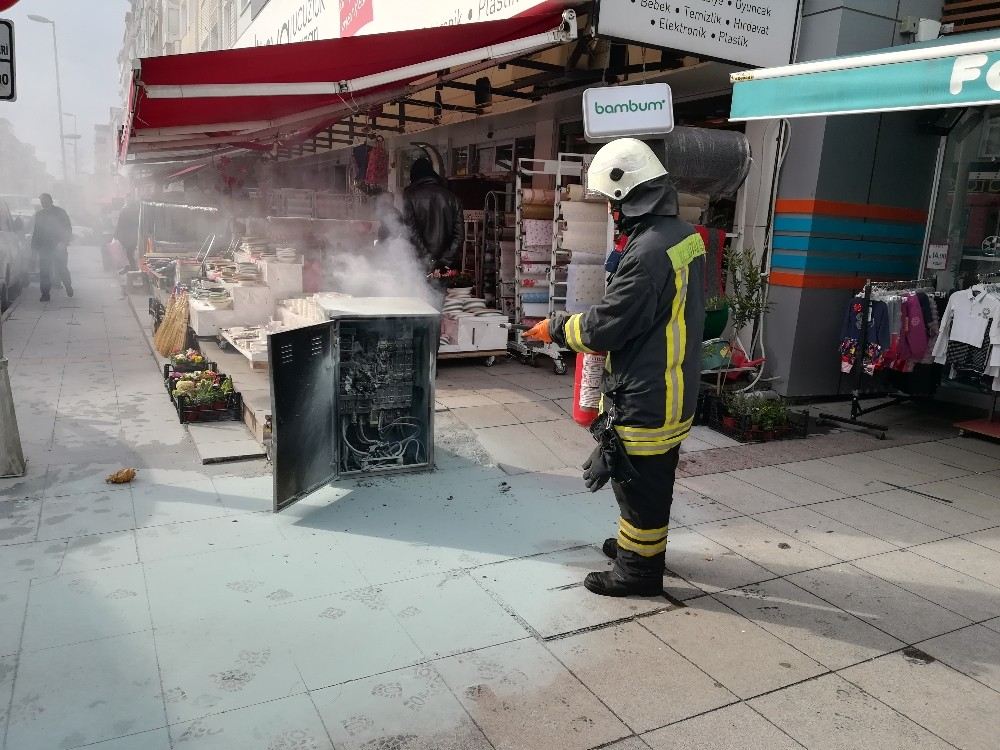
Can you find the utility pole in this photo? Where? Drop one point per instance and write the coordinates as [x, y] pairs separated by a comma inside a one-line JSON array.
[[55, 51], [11, 456]]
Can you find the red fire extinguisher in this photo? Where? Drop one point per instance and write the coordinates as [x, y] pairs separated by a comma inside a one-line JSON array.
[[587, 387]]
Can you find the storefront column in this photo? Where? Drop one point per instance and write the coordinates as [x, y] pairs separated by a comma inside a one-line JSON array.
[[852, 201]]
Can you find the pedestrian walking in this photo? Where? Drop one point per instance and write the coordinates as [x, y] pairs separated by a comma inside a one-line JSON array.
[[50, 240], [127, 231], [650, 322]]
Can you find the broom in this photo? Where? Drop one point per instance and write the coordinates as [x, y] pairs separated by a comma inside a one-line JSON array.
[[172, 333]]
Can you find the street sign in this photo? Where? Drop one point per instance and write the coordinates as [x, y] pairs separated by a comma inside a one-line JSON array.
[[751, 32], [8, 91], [627, 111]]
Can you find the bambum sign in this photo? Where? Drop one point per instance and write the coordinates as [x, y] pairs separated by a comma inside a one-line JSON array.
[[627, 111]]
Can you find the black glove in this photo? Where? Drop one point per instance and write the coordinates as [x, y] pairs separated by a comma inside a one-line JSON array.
[[596, 470]]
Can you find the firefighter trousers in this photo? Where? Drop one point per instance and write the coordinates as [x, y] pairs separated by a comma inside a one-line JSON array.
[[644, 505]]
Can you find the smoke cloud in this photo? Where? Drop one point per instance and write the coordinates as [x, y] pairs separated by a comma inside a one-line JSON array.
[[392, 268]]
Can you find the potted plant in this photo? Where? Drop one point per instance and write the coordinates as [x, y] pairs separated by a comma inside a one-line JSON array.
[[187, 361], [738, 409], [716, 316], [747, 293]]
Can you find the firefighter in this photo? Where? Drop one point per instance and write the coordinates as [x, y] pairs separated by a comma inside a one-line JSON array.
[[650, 324]]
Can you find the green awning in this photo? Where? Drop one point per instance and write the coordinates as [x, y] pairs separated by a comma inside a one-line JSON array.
[[959, 71]]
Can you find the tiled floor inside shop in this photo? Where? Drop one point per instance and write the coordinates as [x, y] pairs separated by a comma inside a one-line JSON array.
[[833, 593]]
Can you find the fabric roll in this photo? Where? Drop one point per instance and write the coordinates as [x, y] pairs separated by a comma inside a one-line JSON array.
[[584, 287], [578, 193], [534, 309], [537, 232], [539, 255], [587, 237], [534, 297], [587, 259], [573, 211], [537, 197], [536, 211]]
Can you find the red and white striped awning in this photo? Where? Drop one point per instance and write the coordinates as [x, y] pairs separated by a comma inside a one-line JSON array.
[[191, 106]]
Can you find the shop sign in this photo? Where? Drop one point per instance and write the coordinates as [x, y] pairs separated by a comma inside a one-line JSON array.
[[627, 111], [751, 32], [284, 21], [8, 91], [937, 257]]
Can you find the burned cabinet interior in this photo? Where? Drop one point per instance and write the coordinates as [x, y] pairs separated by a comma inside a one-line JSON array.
[[350, 396]]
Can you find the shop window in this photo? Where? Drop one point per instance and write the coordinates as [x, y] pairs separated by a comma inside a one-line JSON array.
[[964, 235], [461, 161]]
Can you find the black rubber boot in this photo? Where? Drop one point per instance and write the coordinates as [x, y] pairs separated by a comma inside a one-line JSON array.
[[69, 291], [44, 298], [608, 584], [610, 548]]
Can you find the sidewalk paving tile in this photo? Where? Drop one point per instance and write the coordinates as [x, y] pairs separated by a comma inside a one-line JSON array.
[[989, 538], [13, 601], [21, 562], [227, 532], [879, 522], [742, 656], [524, 699], [734, 493], [793, 488], [709, 565], [19, 520], [847, 481], [958, 455], [290, 723], [84, 693], [159, 504], [964, 498], [157, 739], [70, 609], [566, 439], [478, 417], [518, 450], [731, 728], [956, 591], [920, 462], [77, 479], [966, 557], [917, 686], [251, 494], [820, 630], [988, 484], [410, 709], [973, 651], [546, 591], [331, 637], [869, 467], [211, 667], [427, 609], [974, 444], [929, 511], [769, 548], [539, 411], [99, 551], [87, 513], [625, 666], [690, 507], [8, 666], [888, 607], [825, 533], [831, 714]]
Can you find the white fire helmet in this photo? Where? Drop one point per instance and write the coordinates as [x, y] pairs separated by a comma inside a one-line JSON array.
[[622, 165]]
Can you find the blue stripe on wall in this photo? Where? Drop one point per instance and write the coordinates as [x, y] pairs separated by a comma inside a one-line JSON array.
[[845, 246], [827, 263], [829, 225]]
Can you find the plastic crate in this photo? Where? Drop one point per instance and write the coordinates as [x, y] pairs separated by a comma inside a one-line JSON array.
[[231, 412], [742, 430], [169, 368]]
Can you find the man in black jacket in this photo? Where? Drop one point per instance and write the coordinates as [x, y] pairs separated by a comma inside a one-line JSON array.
[[434, 217], [50, 239], [650, 323]]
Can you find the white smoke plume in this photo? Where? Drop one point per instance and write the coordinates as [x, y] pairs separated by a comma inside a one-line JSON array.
[[392, 268]]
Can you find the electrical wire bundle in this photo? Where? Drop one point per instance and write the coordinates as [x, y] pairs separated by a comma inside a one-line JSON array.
[[396, 442]]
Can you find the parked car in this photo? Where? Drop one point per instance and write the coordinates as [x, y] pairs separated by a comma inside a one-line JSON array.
[[15, 256]]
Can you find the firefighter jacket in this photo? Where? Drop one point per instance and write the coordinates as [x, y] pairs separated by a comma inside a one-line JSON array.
[[650, 323]]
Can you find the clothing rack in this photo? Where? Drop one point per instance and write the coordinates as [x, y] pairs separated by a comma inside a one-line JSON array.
[[858, 394], [990, 426]]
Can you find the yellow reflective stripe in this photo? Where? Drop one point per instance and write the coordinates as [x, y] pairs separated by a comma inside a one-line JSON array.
[[645, 550], [682, 345], [653, 447], [686, 251], [574, 335], [641, 535], [638, 434]]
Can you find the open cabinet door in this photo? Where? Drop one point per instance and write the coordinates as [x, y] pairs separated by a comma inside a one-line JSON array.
[[303, 387]]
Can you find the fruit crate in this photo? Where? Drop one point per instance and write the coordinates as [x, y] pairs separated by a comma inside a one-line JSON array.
[[169, 367], [227, 409]]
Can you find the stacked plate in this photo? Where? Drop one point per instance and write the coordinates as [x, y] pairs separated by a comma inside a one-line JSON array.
[[287, 255]]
